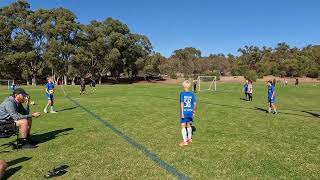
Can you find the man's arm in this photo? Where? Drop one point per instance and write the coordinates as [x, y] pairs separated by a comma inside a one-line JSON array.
[[13, 112], [194, 108]]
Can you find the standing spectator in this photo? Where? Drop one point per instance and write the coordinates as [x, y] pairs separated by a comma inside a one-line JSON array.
[[274, 82], [297, 82], [249, 91], [195, 86]]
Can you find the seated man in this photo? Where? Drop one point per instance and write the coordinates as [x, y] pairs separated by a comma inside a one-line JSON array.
[[11, 109]]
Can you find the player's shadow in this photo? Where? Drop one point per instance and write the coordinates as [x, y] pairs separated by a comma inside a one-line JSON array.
[[243, 99], [194, 129], [67, 109], [311, 113], [11, 171], [264, 110], [48, 136]]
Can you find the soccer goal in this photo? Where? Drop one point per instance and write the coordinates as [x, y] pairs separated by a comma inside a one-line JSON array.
[[207, 83], [6, 82]]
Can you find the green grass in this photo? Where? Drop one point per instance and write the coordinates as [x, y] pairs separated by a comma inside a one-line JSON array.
[[233, 140]]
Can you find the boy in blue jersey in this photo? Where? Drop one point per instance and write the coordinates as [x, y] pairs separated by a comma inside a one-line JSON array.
[[12, 87], [187, 112], [49, 95], [271, 98], [245, 89]]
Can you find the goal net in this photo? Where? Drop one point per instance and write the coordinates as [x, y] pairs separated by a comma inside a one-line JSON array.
[[6, 82], [207, 83]]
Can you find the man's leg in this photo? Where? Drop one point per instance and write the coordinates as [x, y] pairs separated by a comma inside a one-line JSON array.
[[23, 126], [3, 167]]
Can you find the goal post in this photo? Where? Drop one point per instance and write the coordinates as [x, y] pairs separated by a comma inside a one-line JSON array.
[[207, 83], [6, 82]]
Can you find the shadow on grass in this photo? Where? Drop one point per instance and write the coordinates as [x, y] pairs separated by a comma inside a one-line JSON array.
[[67, 109], [11, 172], [311, 113], [243, 99], [48, 136], [42, 138], [14, 170]]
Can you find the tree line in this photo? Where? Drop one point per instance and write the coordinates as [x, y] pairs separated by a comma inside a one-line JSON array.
[[35, 44]]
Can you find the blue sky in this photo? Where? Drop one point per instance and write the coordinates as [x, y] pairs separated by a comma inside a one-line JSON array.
[[209, 25]]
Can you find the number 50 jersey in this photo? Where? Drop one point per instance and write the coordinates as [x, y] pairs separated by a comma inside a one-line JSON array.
[[188, 99]]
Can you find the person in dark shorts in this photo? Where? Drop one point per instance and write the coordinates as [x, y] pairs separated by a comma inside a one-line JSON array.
[[195, 86], [249, 90], [297, 82], [82, 86], [12, 110], [93, 85]]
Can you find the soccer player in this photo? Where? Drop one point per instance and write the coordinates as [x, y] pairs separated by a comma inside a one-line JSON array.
[[187, 112], [245, 90], [249, 90], [271, 98], [93, 85], [82, 86], [12, 87], [49, 95]]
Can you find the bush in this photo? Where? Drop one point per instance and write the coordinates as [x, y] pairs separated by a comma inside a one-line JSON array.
[[252, 75], [212, 73]]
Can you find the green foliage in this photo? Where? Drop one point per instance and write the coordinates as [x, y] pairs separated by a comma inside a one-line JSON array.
[[251, 75]]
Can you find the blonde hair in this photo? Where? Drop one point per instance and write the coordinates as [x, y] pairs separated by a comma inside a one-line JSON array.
[[186, 84]]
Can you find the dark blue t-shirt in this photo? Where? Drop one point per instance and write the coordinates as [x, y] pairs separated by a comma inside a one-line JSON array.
[[188, 100], [270, 91]]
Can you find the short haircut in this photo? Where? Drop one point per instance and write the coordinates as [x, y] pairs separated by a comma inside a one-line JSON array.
[[186, 84]]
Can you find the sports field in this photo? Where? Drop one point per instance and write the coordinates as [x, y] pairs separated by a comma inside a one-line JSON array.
[[133, 132]]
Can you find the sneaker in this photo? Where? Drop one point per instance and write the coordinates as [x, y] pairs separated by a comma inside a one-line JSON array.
[[190, 140], [33, 142], [53, 112], [183, 143], [28, 146], [45, 111]]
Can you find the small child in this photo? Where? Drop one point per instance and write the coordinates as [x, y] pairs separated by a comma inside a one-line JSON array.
[[245, 89], [49, 95], [187, 112], [271, 98], [249, 90]]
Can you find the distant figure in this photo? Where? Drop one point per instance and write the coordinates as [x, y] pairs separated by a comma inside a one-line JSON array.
[[195, 86], [12, 87], [285, 82], [245, 90], [93, 85], [297, 82], [274, 82], [82, 86], [49, 95], [271, 98], [249, 90]]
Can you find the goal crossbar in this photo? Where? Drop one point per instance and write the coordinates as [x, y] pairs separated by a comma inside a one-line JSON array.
[[210, 80]]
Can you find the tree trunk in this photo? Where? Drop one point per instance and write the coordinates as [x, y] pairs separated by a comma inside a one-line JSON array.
[[65, 79], [100, 80], [72, 83], [28, 82], [34, 83]]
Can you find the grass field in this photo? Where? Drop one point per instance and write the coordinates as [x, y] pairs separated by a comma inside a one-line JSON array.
[[234, 139]]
